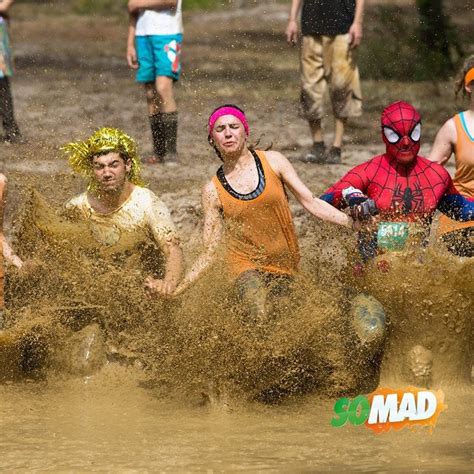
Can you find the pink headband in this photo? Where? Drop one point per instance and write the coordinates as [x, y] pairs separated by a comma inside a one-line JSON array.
[[227, 110]]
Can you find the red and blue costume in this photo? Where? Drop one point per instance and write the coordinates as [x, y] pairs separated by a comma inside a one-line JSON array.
[[403, 185]]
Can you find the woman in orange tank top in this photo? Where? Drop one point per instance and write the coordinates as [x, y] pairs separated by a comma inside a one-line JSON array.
[[457, 135], [247, 197]]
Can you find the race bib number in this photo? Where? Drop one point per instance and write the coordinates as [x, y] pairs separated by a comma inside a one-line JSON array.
[[392, 235]]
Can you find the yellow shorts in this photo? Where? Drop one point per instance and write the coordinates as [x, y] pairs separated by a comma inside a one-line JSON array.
[[328, 60]]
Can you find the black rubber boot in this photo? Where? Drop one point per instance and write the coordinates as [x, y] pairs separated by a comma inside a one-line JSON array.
[[170, 132], [10, 127], [158, 136]]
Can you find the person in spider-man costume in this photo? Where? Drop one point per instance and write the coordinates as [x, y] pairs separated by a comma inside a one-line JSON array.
[[400, 185]]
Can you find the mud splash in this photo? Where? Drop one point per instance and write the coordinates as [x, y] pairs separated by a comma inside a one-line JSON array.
[[153, 361], [200, 347], [427, 294]]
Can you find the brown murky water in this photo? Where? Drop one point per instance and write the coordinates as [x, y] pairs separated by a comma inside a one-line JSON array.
[[108, 423], [182, 395]]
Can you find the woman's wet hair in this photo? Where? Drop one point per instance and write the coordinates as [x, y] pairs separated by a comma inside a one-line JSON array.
[[459, 81]]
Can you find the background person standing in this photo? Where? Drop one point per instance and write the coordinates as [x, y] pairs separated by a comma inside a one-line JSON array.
[[331, 30], [155, 35]]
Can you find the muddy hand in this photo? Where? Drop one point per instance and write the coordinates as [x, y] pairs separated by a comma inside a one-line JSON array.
[[364, 210], [156, 286], [181, 288]]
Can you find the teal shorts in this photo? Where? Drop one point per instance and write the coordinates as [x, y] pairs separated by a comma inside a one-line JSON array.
[[6, 62], [158, 55]]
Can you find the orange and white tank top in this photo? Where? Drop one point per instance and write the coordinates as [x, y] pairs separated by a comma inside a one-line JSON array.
[[464, 176], [260, 234]]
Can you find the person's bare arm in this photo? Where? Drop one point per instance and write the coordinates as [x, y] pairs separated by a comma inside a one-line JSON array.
[[212, 235], [131, 50], [5, 5], [7, 252], [173, 271], [9, 255], [292, 27], [317, 207], [444, 143], [3, 197], [163, 230], [135, 5], [355, 31]]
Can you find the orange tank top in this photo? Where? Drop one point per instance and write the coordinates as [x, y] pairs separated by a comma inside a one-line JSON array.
[[260, 234], [464, 176]]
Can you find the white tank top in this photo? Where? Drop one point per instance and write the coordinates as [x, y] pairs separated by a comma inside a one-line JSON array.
[[160, 22]]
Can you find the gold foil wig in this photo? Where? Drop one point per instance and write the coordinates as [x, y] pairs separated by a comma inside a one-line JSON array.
[[104, 140]]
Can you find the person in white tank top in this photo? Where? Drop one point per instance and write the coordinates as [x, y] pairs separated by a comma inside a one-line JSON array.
[[154, 50]]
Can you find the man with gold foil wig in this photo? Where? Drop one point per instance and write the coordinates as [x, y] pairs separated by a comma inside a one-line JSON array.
[[120, 212]]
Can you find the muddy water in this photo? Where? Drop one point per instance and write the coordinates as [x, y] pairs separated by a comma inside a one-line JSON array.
[[107, 423], [182, 395]]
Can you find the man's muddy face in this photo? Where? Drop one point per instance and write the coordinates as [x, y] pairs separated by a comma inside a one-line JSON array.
[[110, 171]]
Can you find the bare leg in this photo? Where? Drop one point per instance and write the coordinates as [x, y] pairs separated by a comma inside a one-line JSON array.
[[253, 295], [316, 130], [165, 95], [339, 132], [152, 99]]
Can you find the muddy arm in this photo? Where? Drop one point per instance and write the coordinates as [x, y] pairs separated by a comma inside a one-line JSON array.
[[212, 235], [173, 271], [7, 251], [457, 207], [317, 207], [9, 255]]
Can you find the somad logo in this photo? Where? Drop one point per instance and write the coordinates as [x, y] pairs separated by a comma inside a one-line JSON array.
[[387, 408]]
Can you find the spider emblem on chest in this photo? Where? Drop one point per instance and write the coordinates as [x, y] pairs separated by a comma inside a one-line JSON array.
[[411, 199]]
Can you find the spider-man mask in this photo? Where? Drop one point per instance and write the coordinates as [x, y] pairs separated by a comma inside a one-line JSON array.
[[401, 131]]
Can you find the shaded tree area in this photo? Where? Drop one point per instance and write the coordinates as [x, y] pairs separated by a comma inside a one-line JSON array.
[[414, 41], [439, 45]]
